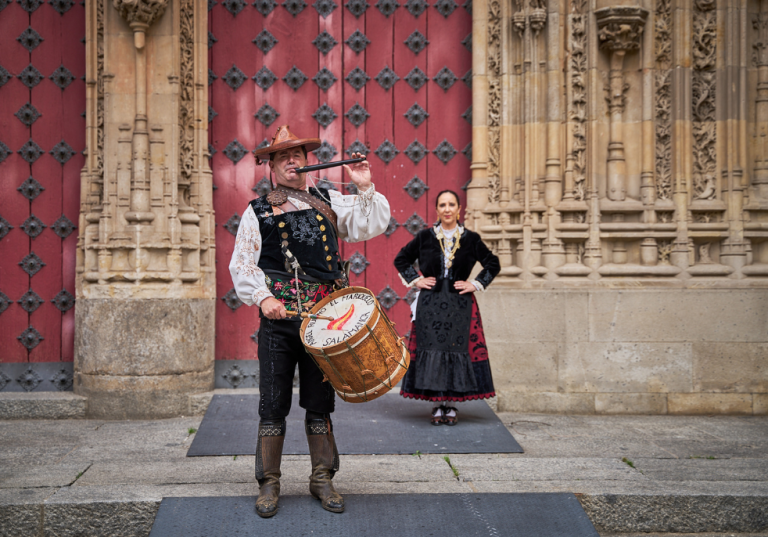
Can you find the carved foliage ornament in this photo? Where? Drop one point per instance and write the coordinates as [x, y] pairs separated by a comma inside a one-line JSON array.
[[186, 89], [703, 86], [140, 13], [494, 98], [663, 95], [620, 28], [577, 68]]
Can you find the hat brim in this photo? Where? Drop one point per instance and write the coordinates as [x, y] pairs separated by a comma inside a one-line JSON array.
[[265, 152]]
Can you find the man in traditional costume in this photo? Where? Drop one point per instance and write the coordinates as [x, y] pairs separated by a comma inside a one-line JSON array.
[[286, 259]]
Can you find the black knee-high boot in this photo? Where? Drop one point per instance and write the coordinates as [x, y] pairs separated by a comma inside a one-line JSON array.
[[325, 463], [269, 452]]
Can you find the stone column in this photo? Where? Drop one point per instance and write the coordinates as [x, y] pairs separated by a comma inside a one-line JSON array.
[[619, 32], [145, 275]]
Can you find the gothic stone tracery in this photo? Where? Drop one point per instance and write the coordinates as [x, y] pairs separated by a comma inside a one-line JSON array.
[[560, 189]]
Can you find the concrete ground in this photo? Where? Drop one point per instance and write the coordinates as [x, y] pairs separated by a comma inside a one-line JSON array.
[[641, 475]]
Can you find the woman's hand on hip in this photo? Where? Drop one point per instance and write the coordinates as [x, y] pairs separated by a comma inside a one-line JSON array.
[[465, 287], [272, 308], [425, 283]]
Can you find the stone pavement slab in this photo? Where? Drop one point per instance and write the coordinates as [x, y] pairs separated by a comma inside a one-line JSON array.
[[652, 474]]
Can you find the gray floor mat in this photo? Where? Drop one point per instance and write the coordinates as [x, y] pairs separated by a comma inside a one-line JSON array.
[[385, 426], [404, 515]]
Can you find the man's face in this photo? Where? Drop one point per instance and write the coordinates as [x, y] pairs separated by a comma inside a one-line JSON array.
[[283, 163]]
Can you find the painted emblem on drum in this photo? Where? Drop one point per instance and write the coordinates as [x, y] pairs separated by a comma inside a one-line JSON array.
[[338, 324], [350, 311]]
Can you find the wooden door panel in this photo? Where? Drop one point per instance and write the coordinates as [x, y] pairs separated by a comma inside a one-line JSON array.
[[386, 109], [47, 132], [14, 207], [235, 107]]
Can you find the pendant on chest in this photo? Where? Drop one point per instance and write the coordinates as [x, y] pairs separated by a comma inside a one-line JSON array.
[[277, 197]]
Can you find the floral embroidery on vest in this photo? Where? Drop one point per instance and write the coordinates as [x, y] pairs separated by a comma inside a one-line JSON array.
[[305, 227]]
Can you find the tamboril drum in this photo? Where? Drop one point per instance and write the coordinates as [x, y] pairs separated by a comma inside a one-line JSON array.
[[359, 351]]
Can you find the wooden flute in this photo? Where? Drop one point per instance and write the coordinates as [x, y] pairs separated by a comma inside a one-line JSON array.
[[315, 167]]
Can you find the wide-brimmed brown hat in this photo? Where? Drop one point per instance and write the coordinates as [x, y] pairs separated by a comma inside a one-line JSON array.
[[285, 139]]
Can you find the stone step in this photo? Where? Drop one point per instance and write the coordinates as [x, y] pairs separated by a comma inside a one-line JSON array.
[[41, 405], [129, 511], [67, 405]]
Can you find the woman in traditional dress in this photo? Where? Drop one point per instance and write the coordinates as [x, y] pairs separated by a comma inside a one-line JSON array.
[[449, 358]]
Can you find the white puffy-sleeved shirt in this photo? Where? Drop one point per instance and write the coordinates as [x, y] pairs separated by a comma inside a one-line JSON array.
[[360, 217]]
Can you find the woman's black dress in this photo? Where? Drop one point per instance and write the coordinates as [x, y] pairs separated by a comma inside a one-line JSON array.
[[449, 357]]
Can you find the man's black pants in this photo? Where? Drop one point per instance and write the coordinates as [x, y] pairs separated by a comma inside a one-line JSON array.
[[280, 349]]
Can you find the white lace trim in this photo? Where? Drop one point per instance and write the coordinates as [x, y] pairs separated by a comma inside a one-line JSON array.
[[409, 284], [247, 243]]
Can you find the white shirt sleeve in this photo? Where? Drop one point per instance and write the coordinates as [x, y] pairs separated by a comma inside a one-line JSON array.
[[248, 278], [360, 217]]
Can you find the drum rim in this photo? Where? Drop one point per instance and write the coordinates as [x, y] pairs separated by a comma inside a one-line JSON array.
[[353, 340]]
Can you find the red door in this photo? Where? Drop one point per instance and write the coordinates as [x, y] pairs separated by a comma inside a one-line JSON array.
[[394, 77], [42, 135]]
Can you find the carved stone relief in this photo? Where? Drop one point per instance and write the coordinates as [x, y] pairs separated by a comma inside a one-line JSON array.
[[652, 201], [140, 13], [704, 49], [494, 98], [663, 103], [578, 102], [147, 219]]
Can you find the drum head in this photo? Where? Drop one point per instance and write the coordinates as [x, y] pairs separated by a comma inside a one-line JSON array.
[[351, 309]]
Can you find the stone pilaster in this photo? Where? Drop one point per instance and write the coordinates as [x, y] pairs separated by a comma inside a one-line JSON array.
[[145, 271]]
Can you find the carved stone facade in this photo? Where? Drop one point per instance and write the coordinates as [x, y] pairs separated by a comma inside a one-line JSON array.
[[146, 209], [561, 191], [620, 145]]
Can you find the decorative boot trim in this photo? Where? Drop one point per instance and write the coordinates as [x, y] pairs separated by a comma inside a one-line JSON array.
[[317, 426], [270, 429]]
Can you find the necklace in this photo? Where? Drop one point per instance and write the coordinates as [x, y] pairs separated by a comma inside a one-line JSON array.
[[448, 253]]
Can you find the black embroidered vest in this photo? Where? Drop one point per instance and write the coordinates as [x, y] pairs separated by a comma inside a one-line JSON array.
[[311, 239]]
